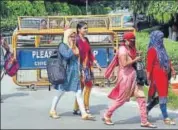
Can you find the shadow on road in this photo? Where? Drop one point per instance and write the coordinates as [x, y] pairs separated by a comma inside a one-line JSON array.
[[6, 96], [95, 110], [136, 119], [172, 115]]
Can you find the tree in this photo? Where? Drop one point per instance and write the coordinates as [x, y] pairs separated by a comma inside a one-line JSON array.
[[38, 8], [163, 11]]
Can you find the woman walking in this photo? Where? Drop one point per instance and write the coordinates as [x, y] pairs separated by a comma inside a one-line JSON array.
[[3, 44], [158, 68], [126, 85], [87, 60], [70, 52]]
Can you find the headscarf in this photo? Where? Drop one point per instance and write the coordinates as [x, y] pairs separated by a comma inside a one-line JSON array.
[[156, 41], [132, 51], [67, 33]]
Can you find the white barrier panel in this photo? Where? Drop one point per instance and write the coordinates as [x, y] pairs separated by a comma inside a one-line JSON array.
[[27, 76]]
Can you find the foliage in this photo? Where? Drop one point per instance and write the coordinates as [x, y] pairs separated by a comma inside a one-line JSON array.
[[10, 10], [142, 41], [163, 11]]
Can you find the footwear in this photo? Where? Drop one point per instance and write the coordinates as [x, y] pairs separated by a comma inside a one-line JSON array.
[[77, 112], [148, 125], [88, 111], [53, 114], [169, 121], [107, 120], [88, 117], [153, 102]]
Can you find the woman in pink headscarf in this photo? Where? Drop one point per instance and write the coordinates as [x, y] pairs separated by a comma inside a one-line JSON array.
[[126, 85]]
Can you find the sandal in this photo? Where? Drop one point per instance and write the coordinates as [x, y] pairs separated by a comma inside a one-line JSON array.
[[107, 120], [77, 112], [53, 114], [169, 121], [88, 117], [87, 111], [148, 125]]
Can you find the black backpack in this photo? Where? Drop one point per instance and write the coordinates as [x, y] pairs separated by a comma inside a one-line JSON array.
[[56, 68]]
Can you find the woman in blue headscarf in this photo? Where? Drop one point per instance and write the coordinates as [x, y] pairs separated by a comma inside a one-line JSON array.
[[158, 68]]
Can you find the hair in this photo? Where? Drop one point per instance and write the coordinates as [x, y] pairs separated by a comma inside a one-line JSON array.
[[80, 25]]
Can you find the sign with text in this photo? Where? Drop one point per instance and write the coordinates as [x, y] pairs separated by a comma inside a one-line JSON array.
[[33, 58], [36, 58]]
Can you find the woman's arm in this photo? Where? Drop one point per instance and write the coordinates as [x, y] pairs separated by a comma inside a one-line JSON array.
[[172, 70], [65, 51], [123, 56], [93, 59], [124, 61], [151, 55]]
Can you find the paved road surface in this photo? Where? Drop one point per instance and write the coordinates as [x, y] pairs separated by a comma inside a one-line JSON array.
[[29, 109]]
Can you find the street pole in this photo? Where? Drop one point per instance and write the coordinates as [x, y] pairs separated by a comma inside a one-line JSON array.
[[86, 7], [107, 51]]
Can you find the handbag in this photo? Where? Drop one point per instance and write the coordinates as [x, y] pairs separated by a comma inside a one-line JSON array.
[[88, 74], [11, 65], [141, 74]]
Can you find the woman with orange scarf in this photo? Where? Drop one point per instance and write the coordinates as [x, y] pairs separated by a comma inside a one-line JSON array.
[[126, 85]]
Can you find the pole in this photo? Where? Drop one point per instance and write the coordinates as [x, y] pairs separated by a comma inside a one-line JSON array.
[[86, 7], [107, 50]]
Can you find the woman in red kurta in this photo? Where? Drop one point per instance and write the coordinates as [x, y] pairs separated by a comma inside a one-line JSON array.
[[87, 60], [158, 66]]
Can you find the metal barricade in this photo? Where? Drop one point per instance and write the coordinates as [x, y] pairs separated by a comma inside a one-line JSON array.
[[37, 37]]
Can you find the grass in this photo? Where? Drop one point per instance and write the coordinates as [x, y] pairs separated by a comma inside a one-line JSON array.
[[172, 98]]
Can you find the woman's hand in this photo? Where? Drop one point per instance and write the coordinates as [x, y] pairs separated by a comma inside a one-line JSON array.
[[139, 53], [138, 58], [174, 74], [97, 65], [75, 51]]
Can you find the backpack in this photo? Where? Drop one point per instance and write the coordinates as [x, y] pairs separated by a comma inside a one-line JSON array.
[[56, 68], [11, 65]]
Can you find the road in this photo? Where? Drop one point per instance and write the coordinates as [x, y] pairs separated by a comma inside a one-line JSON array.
[[24, 109]]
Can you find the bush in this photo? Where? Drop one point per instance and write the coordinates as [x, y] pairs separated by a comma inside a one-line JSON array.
[[142, 40]]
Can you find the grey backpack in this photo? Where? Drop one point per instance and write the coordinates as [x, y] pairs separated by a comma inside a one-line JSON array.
[[56, 68]]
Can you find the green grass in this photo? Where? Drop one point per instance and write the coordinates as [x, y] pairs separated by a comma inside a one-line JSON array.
[[172, 99]]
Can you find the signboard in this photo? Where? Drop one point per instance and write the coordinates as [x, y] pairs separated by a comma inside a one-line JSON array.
[[36, 58], [33, 58], [103, 55]]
